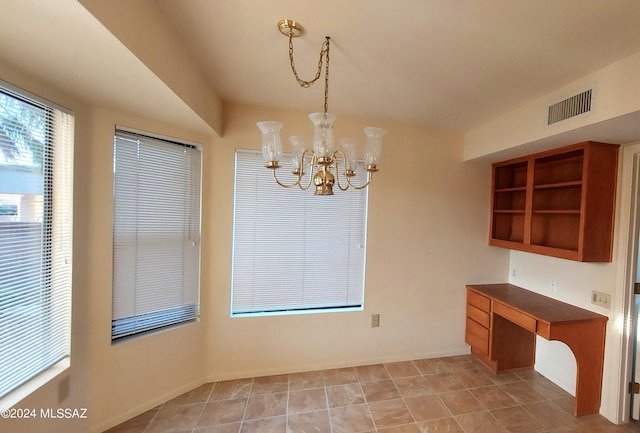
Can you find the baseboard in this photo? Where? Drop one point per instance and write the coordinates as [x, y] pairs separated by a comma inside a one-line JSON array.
[[557, 380], [242, 374], [124, 416]]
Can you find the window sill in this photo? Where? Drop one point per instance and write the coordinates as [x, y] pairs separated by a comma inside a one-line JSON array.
[[299, 312], [29, 387]]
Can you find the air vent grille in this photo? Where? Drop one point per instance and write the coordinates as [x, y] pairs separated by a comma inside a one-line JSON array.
[[570, 107]]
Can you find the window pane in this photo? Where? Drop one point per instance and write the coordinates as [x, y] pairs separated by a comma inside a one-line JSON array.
[[156, 237], [293, 250], [35, 237]]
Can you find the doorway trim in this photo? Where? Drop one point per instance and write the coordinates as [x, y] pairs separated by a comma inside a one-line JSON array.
[[623, 312]]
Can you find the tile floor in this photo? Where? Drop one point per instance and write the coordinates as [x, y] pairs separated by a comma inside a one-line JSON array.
[[455, 394]]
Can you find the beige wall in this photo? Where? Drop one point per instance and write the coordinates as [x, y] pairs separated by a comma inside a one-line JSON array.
[[134, 375], [119, 381], [427, 239]]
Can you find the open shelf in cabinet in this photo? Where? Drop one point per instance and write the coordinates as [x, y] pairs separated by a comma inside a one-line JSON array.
[[558, 168], [558, 203], [508, 226], [509, 199], [558, 197], [556, 229]]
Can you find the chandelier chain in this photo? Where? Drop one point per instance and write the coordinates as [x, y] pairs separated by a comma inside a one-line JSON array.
[[326, 79], [324, 51]]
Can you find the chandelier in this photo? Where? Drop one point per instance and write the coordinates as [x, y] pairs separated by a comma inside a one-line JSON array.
[[322, 159]]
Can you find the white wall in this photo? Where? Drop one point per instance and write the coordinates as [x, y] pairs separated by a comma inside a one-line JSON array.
[[617, 87], [574, 283]]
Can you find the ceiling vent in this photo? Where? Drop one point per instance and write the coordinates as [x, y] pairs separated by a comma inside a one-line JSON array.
[[570, 107]]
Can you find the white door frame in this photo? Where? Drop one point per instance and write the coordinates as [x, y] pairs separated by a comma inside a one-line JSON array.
[[620, 337]]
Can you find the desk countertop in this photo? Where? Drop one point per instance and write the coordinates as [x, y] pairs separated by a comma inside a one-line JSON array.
[[544, 308]]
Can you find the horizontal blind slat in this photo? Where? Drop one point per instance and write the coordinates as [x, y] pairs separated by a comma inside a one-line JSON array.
[[156, 236], [35, 243], [292, 250]]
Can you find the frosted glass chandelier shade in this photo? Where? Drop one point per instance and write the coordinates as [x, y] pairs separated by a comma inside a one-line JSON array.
[[271, 142], [297, 149], [350, 150], [323, 141], [373, 145]]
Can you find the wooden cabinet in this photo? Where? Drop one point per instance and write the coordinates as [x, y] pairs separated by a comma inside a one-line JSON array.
[[558, 203], [478, 323]]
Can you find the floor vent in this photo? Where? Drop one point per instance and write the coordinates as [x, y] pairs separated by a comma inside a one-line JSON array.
[[570, 107]]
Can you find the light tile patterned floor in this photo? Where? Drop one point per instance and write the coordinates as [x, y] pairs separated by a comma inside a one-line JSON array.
[[454, 395]]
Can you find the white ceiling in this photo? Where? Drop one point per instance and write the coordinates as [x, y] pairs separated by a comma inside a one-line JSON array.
[[435, 63]]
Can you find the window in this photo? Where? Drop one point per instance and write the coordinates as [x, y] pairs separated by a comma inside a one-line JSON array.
[[293, 251], [36, 155], [156, 234]]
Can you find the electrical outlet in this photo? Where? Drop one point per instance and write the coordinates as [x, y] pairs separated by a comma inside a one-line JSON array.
[[513, 273], [553, 286], [601, 299], [375, 320]]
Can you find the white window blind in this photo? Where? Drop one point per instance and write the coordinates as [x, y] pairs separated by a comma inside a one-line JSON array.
[[36, 181], [293, 251], [156, 235]]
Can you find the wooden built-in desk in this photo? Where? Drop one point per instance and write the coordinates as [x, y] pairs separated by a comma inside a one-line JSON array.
[[501, 328]]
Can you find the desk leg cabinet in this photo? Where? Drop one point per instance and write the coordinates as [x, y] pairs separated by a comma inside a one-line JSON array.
[[478, 328], [489, 333]]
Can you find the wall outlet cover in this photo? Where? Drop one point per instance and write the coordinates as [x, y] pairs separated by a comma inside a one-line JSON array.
[[601, 299]]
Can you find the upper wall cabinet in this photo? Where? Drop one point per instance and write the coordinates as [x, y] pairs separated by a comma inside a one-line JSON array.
[[558, 203]]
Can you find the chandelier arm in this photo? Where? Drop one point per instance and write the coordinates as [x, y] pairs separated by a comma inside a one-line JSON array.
[[336, 155], [311, 167], [369, 178], [297, 182]]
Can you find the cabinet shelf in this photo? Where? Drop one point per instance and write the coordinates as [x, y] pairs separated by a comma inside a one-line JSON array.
[[517, 188], [558, 211], [575, 183], [558, 203]]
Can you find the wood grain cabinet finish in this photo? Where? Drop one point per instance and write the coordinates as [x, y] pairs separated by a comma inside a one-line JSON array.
[[502, 321], [558, 203], [478, 324]]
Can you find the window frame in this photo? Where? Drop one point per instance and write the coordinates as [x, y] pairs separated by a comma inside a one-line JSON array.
[[56, 260], [176, 315], [264, 179]]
